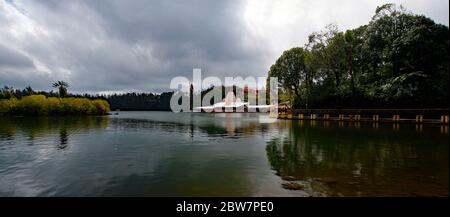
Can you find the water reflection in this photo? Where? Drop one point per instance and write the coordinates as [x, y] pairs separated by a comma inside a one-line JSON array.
[[357, 161], [167, 154], [153, 154], [35, 128], [63, 139], [227, 126]]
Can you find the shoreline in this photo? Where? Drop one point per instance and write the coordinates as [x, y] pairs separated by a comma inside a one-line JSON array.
[[415, 116]]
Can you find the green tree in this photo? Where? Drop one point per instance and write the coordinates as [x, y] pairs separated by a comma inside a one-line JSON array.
[[350, 40], [408, 55], [293, 74], [397, 60], [6, 92], [29, 91], [62, 88]]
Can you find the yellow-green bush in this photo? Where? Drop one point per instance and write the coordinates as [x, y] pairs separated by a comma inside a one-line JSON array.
[[54, 105], [7, 106], [32, 105], [40, 105], [101, 106]]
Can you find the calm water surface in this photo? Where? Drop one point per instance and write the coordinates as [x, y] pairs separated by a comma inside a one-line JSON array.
[[168, 154]]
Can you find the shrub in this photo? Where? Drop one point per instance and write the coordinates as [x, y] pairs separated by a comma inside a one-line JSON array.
[[33, 105], [8, 106], [101, 106], [39, 105], [54, 106]]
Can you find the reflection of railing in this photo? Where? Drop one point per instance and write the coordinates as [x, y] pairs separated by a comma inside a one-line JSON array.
[[437, 115], [351, 159]]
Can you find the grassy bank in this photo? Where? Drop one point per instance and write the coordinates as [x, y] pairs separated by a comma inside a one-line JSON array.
[[39, 105]]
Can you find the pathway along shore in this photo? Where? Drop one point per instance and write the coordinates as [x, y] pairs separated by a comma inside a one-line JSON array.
[[432, 116]]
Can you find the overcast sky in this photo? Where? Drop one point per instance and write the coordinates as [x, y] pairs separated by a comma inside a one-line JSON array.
[[116, 46]]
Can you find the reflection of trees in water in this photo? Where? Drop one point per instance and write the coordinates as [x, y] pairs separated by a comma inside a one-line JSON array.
[[7, 132], [361, 161], [214, 130], [228, 128], [63, 139], [34, 127]]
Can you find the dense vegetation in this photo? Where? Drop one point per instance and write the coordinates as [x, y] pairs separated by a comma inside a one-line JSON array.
[[126, 101], [39, 105], [398, 60], [27, 102], [139, 101]]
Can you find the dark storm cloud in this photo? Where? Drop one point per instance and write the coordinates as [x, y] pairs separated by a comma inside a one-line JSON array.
[[179, 27], [139, 45], [12, 58]]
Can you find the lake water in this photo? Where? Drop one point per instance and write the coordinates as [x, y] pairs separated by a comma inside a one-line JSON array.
[[184, 154]]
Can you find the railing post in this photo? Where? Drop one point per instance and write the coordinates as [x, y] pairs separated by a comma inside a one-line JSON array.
[[396, 118], [419, 118], [375, 118], [444, 119]]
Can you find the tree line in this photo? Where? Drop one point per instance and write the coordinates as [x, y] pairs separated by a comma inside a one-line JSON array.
[[398, 60], [31, 103], [124, 101]]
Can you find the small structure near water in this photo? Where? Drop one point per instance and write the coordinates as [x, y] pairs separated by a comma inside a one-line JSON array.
[[231, 103]]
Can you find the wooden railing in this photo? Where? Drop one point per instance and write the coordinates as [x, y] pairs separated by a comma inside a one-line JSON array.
[[431, 115]]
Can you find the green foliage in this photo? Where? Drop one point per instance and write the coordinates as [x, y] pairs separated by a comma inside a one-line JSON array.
[[62, 88], [32, 105], [292, 72], [39, 105], [140, 101], [7, 106], [29, 91], [398, 60], [100, 106], [6, 92]]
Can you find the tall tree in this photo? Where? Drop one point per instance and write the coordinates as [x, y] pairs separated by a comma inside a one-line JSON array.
[[29, 91], [349, 37], [62, 88], [293, 73]]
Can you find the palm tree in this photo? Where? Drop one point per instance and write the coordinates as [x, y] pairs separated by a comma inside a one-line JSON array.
[[62, 88], [29, 91], [6, 92]]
